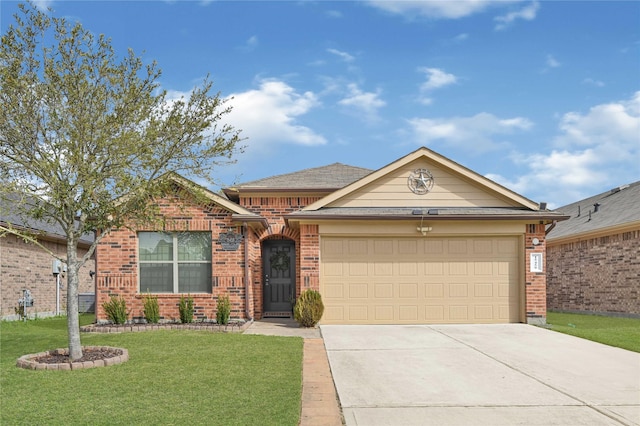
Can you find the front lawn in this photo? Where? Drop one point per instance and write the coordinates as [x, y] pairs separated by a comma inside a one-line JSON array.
[[172, 377], [620, 332]]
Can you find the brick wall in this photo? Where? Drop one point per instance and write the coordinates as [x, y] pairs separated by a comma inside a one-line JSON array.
[[535, 282], [117, 264], [26, 266], [598, 275], [273, 209]]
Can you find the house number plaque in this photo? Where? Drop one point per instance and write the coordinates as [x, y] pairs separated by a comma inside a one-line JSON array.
[[230, 241]]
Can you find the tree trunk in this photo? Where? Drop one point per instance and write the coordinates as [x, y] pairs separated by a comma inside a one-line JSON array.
[[73, 322]]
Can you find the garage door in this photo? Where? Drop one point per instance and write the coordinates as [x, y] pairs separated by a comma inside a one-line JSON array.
[[420, 280]]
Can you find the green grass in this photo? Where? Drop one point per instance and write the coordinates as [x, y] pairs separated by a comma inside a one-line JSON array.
[[620, 332], [172, 378]]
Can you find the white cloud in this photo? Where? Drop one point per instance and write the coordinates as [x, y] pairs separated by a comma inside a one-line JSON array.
[[268, 115], [251, 43], [527, 13], [436, 78], [334, 13], [592, 82], [461, 37], [366, 104], [475, 132], [552, 62], [342, 55], [43, 5], [437, 9], [593, 151]]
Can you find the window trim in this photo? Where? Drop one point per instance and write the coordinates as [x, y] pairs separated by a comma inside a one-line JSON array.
[[175, 261]]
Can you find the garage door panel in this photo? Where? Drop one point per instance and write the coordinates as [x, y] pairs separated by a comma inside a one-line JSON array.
[[433, 268], [420, 280], [408, 313], [359, 313], [434, 313], [483, 290], [358, 291], [483, 312], [434, 290], [457, 290], [383, 269], [458, 268], [383, 290], [408, 290], [408, 269], [384, 313]]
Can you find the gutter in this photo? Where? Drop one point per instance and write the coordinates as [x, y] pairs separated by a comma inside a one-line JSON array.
[[553, 218]]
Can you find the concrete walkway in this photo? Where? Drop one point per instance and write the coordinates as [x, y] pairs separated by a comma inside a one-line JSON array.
[[320, 406]]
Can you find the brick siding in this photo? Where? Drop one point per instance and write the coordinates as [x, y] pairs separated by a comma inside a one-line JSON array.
[[26, 266], [535, 282], [273, 208], [598, 275], [117, 273]]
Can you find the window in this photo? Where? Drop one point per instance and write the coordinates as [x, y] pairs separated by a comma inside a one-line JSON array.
[[175, 262]]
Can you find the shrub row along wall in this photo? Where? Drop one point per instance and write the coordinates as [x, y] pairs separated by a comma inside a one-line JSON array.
[[599, 275], [118, 264]]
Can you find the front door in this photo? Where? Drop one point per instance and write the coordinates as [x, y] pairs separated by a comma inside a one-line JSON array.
[[279, 266]]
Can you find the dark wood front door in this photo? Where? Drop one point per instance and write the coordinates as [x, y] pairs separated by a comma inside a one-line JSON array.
[[279, 280]]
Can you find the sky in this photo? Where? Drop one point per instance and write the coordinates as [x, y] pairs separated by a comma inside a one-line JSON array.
[[542, 97]]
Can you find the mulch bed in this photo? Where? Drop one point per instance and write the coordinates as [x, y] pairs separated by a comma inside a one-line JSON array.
[[88, 354], [58, 359]]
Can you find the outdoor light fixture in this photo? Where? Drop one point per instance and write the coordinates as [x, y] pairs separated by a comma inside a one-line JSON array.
[[424, 229]]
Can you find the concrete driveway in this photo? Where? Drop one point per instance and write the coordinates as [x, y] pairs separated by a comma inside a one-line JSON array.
[[480, 375]]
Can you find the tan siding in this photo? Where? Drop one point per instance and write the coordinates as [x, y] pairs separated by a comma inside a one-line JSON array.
[[449, 190]]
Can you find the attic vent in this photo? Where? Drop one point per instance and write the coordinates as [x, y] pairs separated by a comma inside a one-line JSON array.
[[596, 206]]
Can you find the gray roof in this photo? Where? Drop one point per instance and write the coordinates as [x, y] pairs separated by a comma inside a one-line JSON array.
[[615, 207], [448, 213], [331, 177], [46, 229]]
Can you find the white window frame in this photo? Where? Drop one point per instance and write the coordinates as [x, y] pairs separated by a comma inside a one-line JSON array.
[[175, 261]]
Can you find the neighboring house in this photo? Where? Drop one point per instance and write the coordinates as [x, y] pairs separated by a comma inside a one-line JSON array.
[[593, 259], [421, 240], [25, 266]]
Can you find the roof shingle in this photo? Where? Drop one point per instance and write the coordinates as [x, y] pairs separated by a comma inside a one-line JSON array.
[[333, 176], [616, 207]]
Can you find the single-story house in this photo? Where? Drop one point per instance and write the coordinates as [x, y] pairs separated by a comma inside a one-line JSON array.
[[421, 240], [25, 266], [593, 258]]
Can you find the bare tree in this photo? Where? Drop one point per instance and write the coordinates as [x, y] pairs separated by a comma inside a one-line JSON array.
[[85, 136]]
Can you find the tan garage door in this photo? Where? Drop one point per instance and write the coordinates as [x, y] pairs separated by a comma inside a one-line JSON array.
[[420, 280]]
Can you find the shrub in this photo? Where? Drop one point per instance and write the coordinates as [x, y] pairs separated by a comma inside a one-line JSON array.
[[223, 310], [309, 308], [116, 310], [151, 309], [186, 309]]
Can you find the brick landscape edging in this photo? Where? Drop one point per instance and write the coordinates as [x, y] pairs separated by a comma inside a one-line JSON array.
[[232, 327], [29, 361]]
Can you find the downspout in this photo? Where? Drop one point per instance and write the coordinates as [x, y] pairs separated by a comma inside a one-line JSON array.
[[549, 229], [245, 231]]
